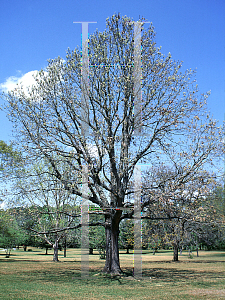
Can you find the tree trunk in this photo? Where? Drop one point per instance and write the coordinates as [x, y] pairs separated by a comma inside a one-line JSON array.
[[197, 248], [64, 247], [7, 255], [112, 263], [56, 248], [181, 250], [46, 251], [127, 250], [190, 251], [91, 251], [175, 252]]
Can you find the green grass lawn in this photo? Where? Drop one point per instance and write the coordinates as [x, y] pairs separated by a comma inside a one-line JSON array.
[[33, 275]]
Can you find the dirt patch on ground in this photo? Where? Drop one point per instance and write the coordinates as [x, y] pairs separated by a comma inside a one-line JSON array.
[[207, 292]]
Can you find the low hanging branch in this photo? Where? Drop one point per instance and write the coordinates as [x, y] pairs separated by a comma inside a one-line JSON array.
[[67, 228]]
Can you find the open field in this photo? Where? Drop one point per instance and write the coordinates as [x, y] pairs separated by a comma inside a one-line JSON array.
[[33, 275]]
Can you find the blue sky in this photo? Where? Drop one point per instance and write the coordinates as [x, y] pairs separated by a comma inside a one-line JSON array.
[[193, 31]]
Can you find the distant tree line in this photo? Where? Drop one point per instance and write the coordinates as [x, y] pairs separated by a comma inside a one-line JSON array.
[[20, 226]]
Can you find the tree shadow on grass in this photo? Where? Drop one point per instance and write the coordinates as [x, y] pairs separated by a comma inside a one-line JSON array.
[[193, 261], [174, 274], [206, 261], [71, 277], [71, 274], [20, 260], [217, 254], [4, 254]]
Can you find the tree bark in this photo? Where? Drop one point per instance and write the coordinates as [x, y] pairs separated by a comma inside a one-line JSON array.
[[175, 252], [190, 251], [197, 248], [64, 247], [181, 251], [56, 248], [112, 263]]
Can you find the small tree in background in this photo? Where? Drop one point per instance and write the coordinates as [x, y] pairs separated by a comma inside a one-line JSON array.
[[96, 234], [26, 218], [126, 239], [54, 208], [11, 234], [180, 207]]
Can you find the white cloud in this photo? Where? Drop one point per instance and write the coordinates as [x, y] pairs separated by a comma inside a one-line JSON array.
[[26, 80], [9, 84], [2, 205]]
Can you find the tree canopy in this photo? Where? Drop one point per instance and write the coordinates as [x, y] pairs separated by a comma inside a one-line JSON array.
[[95, 122]]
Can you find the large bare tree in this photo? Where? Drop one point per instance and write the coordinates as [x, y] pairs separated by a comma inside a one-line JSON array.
[[101, 124]]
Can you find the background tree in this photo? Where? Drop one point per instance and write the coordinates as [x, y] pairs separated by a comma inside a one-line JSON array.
[[10, 233], [11, 164], [10, 160], [96, 234], [103, 125], [218, 198], [181, 207], [53, 206], [26, 218], [212, 233], [154, 235], [126, 238]]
